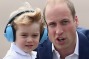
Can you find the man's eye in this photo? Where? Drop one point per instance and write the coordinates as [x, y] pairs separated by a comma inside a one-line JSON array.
[[52, 24], [64, 22]]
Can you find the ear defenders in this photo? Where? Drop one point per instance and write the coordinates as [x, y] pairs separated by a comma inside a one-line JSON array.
[[9, 31], [44, 35]]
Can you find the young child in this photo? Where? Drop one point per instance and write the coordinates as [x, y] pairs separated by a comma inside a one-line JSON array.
[[23, 30]]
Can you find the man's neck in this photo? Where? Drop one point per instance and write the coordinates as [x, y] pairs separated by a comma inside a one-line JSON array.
[[65, 52]]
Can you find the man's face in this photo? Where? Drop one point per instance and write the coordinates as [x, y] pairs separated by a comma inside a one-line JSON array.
[[61, 26]]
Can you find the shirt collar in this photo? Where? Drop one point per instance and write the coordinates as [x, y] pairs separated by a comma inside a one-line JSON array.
[[76, 47], [19, 51]]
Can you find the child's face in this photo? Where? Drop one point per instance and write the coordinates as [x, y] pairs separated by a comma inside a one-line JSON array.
[[27, 37]]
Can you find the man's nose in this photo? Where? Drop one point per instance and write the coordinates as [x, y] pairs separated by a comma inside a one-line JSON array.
[[59, 30]]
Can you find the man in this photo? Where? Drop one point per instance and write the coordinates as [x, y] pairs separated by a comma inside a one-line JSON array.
[[68, 41]]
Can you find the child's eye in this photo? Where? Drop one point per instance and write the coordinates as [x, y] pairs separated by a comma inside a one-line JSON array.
[[24, 35], [34, 35]]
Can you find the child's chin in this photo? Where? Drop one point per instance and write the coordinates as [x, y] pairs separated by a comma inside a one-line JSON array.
[[27, 51]]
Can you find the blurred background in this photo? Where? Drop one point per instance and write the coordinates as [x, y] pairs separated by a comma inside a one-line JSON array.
[[7, 6]]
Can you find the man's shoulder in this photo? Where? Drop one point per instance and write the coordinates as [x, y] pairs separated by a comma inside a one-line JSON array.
[[45, 43], [83, 35], [44, 50], [83, 31]]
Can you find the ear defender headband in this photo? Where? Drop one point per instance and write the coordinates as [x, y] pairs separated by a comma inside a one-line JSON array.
[[9, 31]]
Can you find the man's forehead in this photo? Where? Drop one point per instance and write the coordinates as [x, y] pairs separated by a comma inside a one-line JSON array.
[[55, 1]]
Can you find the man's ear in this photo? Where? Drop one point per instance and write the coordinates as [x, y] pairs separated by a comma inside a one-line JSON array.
[[76, 21]]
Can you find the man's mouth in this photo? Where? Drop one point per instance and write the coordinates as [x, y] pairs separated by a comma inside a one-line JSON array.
[[60, 39]]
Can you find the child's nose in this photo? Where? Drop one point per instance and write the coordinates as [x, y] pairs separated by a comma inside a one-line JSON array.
[[29, 40]]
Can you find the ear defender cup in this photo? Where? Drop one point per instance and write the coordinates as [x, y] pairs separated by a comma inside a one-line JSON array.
[[9, 33], [44, 35]]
